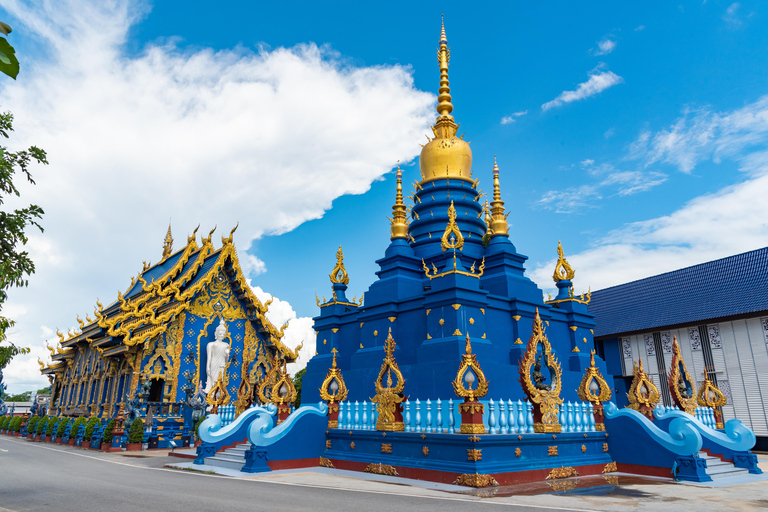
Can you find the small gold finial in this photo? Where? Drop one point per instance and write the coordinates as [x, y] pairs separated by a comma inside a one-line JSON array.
[[339, 273], [191, 240], [167, 243], [334, 352], [562, 270], [399, 228], [499, 224], [488, 219], [468, 345]]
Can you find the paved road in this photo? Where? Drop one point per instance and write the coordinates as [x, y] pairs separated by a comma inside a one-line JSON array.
[[39, 476]]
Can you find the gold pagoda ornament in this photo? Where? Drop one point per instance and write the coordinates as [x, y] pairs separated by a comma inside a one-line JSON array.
[[167, 244], [471, 409], [499, 225], [563, 271], [339, 273], [333, 390], [681, 385], [446, 155], [283, 393], [389, 395], [710, 396], [593, 388], [643, 394], [399, 220], [544, 397]]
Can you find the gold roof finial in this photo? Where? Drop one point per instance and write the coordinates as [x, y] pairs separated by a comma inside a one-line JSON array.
[[488, 220], [562, 270], [399, 228], [167, 243], [445, 156], [499, 224], [339, 273]]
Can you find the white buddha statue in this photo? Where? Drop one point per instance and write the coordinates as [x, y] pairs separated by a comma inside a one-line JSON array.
[[218, 354]]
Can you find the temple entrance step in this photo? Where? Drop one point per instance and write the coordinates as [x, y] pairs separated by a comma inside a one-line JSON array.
[[718, 468], [226, 461]]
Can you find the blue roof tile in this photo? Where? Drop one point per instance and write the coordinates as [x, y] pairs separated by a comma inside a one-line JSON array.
[[721, 288]]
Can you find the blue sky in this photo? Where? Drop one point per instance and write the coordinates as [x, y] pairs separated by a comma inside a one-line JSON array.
[[635, 134]]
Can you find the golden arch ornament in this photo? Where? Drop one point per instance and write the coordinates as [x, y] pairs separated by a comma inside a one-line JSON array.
[[389, 397], [593, 388], [545, 401], [339, 273], [452, 231], [710, 396], [643, 394], [283, 393], [333, 379], [563, 270], [471, 410], [678, 381]]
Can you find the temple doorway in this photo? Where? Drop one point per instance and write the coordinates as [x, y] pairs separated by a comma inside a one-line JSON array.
[[156, 390]]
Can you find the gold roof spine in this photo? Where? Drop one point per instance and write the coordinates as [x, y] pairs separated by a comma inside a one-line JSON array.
[[499, 224], [399, 227]]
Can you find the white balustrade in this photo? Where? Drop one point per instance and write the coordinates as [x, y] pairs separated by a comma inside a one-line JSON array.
[[418, 416], [407, 418], [502, 418], [439, 428], [428, 426], [451, 417]]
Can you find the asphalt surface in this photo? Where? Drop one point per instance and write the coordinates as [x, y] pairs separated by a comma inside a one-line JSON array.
[[42, 476]]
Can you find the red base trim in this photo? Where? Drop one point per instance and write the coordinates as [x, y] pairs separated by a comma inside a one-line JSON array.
[[718, 455], [431, 475], [275, 465], [638, 469], [183, 455]]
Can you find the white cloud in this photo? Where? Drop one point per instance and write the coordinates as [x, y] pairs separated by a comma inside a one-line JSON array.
[[512, 118], [267, 138], [731, 15], [598, 82], [299, 330], [604, 47], [711, 226], [612, 181], [639, 28]]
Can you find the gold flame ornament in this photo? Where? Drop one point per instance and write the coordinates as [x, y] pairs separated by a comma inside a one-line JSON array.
[[339, 273], [710, 396], [389, 397], [218, 395], [452, 237], [643, 394], [562, 269], [264, 388], [283, 393], [333, 390], [469, 372], [545, 398], [593, 388], [681, 386]]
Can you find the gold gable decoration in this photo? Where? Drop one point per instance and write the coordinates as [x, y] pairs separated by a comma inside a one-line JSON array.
[[389, 396], [545, 398], [681, 386], [643, 394]]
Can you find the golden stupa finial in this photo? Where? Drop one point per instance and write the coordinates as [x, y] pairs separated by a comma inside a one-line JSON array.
[[339, 273], [488, 220], [167, 243], [562, 270], [446, 156], [499, 224], [399, 228]]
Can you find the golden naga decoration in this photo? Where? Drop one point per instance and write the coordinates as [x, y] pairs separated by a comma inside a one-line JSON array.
[[545, 398], [283, 393], [471, 410], [399, 220], [167, 244], [333, 390], [452, 237], [593, 388], [264, 388], [228, 240], [381, 469], [476, 480], [445, 156], [584, 298], [339, 273], [218, 395], [562, 472], [681, 386], [643, 394], [388, 398], [499, 225], [710, 396], [435, 274]]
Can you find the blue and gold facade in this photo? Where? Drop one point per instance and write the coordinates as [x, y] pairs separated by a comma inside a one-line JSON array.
[[157, 332]]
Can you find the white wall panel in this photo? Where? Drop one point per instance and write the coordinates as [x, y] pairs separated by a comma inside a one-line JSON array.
[[728, 333], [760, 358]]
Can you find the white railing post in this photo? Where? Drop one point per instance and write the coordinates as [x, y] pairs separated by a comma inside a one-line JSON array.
[[502, 418], [451, 417], [439, 428], [407, 417], [512, 417], [365, 415], [428, 428], [418, 416], [491, 418], [357, 416]]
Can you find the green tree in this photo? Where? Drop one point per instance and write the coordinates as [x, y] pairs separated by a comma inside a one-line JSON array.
[[20, 397], [8, 62], [297, 384], [136, 433], [15, 263]]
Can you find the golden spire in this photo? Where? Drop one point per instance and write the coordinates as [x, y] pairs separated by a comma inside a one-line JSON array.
[[499, 224], [488, 220], [562, 270], [445, 156], [168, 243], [339, 273], [399, 221]]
